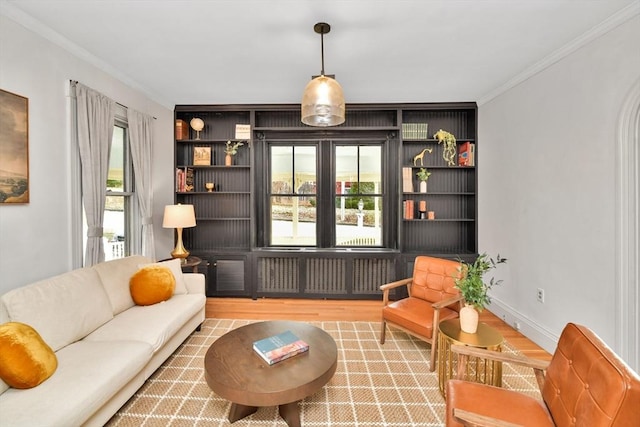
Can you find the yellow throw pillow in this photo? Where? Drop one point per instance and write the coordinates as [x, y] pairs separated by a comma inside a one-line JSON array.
[[152, 284], [25, 359]]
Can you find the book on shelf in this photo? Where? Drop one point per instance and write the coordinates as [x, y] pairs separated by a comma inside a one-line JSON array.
[[279, 347], [415, 131], [407, 180], [466, 154], [184, 180], [408, 209], [202, 156], [182, 130]]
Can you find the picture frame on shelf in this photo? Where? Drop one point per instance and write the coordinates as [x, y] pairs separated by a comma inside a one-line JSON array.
[[202, 156]]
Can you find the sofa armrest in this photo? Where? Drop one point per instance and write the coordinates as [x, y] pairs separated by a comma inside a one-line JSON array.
[[194, 282], [471, 419]]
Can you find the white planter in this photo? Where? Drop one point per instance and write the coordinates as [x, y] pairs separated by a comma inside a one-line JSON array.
[[468, 319], [423, 186]]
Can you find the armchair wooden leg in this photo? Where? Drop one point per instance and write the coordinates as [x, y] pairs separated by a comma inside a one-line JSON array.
[[383, 332], [434, 350]]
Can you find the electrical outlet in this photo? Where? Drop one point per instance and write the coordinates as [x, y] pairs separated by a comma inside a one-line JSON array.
[[540, 295]]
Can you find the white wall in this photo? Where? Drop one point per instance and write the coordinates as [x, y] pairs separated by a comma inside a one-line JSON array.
[[35, 237], [547, 188]]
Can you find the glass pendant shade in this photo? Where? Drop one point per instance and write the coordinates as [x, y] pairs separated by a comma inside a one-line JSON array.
[[323, 102]]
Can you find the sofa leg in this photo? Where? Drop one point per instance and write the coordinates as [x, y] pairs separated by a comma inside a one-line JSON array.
[[199, 328]]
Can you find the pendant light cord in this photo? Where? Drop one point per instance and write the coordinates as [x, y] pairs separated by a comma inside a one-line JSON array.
[[322, 52]]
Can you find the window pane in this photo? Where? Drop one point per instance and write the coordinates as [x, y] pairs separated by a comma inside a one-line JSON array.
[[281, 163], [115, 177], [292, 200], [358, 221], [370, 169], [293, 221], [114, 227], [358, 195]]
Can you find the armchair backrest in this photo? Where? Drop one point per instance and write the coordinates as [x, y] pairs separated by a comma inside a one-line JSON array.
[[587, 384], [434, 279]]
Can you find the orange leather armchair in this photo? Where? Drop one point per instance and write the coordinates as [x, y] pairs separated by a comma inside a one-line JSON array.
[[585, 384], [432, 299]]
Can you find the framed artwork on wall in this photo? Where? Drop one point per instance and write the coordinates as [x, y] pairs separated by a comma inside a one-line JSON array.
[[14, 148]]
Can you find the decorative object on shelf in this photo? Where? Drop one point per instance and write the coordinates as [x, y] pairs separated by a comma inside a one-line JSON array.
[[209, 186], [431, 215], [420, 156], [230, 150], [179, 217], [197, 125], [323, 100], [475, 290], [423, 175], [202, 156], [243, 131], [450, 151], [422, 208]]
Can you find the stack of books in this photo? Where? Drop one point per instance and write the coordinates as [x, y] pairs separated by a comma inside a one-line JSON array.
[[408, 208], [415, 131], [407, 180], [280, 347], [184, 180], [182, 130]]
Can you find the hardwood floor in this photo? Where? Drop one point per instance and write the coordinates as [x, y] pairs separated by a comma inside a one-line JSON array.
[[322, 310]]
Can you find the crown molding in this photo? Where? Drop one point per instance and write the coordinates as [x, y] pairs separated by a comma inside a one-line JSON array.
[[599, 30], [30, 23]]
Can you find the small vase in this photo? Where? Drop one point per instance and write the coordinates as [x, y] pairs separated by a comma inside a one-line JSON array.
[[469, 319], [423, 186], [228, 160]]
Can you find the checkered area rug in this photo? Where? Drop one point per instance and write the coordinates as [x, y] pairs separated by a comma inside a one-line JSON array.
[[374, 385]]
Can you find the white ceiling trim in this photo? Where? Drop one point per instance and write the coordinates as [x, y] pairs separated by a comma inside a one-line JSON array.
[[10, 11], [596, 32]]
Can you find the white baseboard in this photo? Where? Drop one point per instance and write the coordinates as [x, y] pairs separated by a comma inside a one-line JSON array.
[[527, 327]]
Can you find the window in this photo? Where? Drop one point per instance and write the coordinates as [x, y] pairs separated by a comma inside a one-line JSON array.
[[336, 206], [120, 210]]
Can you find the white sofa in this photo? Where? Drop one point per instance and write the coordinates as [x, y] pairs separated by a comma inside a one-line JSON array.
[[106, 345]]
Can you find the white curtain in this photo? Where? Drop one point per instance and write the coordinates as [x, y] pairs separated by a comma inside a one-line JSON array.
[[95, 118], [141, 137]]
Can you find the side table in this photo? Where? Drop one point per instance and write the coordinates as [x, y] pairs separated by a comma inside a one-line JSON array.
[[477, 369], [189, 262]]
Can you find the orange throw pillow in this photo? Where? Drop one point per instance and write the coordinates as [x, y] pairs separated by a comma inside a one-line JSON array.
[[25, 359], [152, 284]]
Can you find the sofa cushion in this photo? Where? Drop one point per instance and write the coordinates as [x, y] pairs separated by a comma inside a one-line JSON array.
[[115, 277], [175, 265], [152, 284], [63, 309], [153, 324], [25, 359], [88, 375]]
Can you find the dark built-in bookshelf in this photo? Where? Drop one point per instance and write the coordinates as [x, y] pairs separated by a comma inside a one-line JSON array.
[[230, 231]]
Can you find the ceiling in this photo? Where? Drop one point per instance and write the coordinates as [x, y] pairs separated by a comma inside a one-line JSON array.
[[265, 51]]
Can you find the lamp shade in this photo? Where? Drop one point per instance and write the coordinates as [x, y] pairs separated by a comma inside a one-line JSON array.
[[323, 102], [179, 216]]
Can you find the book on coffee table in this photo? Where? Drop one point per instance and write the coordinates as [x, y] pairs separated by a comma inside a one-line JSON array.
[[279, 347]]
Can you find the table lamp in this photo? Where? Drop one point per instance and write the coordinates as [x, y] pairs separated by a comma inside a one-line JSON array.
[[179, 217]]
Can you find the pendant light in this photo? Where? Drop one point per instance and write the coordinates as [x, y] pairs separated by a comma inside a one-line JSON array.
[[322, 100]]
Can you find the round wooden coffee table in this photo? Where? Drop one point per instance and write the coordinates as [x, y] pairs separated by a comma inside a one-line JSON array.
[[234, 371]]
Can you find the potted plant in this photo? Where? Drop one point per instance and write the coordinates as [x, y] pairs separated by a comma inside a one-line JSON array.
[[450, 149], [231, 149], [423, 175], [475, 290]]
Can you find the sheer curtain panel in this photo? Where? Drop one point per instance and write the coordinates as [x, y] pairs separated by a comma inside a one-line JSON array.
[[95, 118], [141, 137]]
